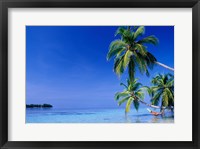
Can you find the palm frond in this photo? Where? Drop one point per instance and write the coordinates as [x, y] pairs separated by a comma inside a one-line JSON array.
[[169, 93], [118, 65], [128, 104], [116, 47], [150, 60], [141, 49], [140, 94], [118, 95], [123, 100], [156, 98], [157, 80], [127, 58], [140, 31], [165, 99], [150, 39], [136, 86], [141, 64], [136, 104], [170, 82], [124, 85], [147, 89], [128, 36], [120, 30]]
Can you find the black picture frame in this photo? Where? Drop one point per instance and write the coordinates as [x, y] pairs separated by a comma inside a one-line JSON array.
[[5, 4]]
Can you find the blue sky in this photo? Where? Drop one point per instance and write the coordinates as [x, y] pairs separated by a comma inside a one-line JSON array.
[[66, 65]]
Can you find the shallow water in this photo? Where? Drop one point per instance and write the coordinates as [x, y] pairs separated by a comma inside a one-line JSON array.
[[53, 115]]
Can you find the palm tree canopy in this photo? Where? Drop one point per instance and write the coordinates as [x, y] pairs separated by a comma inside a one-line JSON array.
[[130, 51], [163, 89], [133, 91]]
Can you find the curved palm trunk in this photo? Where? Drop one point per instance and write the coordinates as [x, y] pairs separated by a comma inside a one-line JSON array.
[[152, 106], [165, 66], [141, 101], [149, 105]]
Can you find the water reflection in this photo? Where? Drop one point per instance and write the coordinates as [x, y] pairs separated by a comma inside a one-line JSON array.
[[147, 118], [127, 118], [138, 119], [155, 119]]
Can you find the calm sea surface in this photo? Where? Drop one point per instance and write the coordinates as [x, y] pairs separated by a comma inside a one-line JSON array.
[[53, 115]]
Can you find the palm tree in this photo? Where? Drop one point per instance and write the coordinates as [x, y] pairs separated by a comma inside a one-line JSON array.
[[130, 51], [133, 93], [163, 90]]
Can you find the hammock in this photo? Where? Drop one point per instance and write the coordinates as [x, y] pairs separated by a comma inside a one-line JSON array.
[[154, 113]]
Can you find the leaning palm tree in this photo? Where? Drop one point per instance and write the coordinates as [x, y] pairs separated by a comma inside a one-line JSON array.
[[130, 51], [163, 90], [133, 94]]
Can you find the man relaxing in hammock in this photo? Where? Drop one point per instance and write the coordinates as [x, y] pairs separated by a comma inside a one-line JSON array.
[[154, 113]]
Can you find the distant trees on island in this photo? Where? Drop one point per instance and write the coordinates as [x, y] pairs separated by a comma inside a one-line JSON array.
[[39, 106]]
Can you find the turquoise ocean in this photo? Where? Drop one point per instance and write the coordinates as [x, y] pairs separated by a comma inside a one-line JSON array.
[[60, 115]]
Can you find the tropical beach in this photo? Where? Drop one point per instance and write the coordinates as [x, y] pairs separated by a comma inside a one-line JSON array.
[[100, 74]]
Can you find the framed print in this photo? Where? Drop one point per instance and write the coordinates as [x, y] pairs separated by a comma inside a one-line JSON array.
[[112, 74]]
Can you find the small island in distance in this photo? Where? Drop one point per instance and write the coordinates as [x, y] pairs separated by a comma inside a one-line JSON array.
[[39, 106]]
